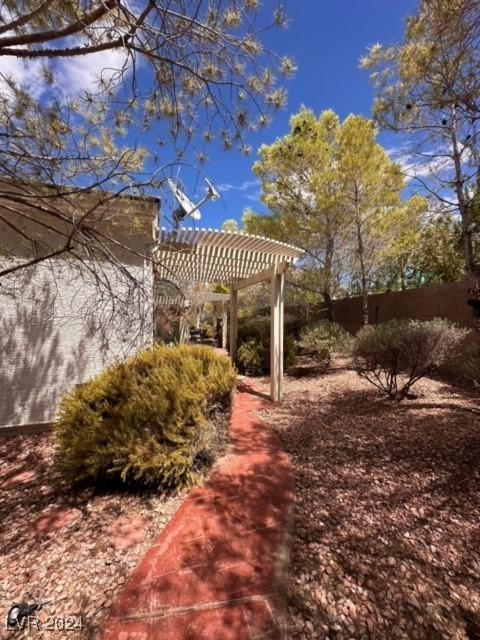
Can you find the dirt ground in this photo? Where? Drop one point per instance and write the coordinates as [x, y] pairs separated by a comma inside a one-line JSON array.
[[77, 548], [386, 532]]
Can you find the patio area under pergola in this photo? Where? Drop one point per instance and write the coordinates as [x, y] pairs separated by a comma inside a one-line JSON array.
[[188, 257]]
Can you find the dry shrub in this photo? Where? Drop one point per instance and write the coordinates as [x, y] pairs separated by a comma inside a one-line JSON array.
[[324, 336], [146, 421], [394, 355]]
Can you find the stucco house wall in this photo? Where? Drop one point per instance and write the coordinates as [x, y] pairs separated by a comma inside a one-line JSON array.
[[57, 330]]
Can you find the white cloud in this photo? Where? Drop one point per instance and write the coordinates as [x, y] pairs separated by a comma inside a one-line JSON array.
[[26, 73], [415, 165], [82, 73], [245, 186], [72, 76], [255, 197]]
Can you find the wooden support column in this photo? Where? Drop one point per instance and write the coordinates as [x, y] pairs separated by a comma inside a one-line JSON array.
[[276, 335], [184, 330], [233, 323], [224, 324]]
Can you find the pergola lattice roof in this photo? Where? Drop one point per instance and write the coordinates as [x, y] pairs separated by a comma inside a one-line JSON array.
[[187, 256], [196, 296], [208, 255]]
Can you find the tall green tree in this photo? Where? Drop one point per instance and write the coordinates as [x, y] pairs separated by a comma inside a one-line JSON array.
[[333, 190], [428, 87], [428, 251], [371, 185], [300, 187]]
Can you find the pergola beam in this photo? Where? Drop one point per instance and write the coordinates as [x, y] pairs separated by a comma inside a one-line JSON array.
[[276, 335], [263, 276], [224, 325]]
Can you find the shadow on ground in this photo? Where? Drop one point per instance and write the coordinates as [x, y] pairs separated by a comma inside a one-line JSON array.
[[386, 540]]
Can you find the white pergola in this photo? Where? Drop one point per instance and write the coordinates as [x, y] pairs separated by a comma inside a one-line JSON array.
[[189, 256], [198, 297]]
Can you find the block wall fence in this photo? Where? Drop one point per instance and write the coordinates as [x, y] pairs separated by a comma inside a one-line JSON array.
[[432, 301]]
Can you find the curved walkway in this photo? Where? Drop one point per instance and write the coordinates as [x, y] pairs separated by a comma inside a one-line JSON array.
[[213, 573]]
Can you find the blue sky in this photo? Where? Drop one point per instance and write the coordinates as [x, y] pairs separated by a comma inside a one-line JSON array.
[[327, 38]]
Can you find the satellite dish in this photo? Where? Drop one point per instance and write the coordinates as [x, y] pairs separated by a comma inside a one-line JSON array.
[[186, 205], [214, 195], [186, 208]]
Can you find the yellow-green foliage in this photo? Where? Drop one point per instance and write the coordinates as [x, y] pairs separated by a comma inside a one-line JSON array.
[[146, 420]]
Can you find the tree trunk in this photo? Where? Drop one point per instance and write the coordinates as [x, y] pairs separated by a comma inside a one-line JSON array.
[[327, 290], [327, 298], [471, 269], [363, 271]]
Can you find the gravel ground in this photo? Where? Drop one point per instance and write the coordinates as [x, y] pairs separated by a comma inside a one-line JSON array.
[[57, 543], [386, 533]]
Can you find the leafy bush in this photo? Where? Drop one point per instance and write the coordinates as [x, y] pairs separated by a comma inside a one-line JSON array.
[[257, 328], [148, 420], [324, 336], [465, 366], [208, 330], [394, 355], [253, 356]]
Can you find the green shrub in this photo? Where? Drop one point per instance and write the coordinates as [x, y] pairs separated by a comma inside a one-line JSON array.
[[208, 330], [257, 329], [394, 355], [253, 356], [324, 336], [146, 421], [465, 366]]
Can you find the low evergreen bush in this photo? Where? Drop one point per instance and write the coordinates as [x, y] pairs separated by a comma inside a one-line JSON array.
[[208, 330], [394, 355], [324, 337], [465, 366], [253, 355], [253, 352], [256, 328], [146, 421]]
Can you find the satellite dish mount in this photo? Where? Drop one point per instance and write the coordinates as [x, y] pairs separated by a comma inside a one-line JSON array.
[[186, 208]]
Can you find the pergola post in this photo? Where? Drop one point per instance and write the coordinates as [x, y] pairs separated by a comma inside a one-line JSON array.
[[184, 329], [239, 259], [224, 324], [276, 335], [233, 323]]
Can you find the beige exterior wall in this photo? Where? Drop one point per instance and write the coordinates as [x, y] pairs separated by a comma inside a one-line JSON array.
[[55, 333], [58, 330], [432, 301]]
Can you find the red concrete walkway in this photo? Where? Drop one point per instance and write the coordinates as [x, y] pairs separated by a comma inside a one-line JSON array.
[[213, 573]]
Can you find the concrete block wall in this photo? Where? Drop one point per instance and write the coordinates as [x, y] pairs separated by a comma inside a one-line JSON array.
[[432, 301]]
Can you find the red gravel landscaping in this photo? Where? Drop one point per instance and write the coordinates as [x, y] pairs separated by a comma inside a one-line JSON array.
[[386, 536], [59, 543]]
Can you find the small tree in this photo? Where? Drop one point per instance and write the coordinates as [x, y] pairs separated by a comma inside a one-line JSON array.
[[428, 87], [333, 190], [394, 355], [300, 186]]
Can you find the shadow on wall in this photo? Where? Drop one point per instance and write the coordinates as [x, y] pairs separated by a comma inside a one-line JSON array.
[[58, 328], [36, 362]]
